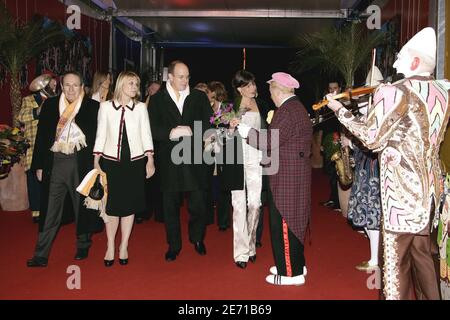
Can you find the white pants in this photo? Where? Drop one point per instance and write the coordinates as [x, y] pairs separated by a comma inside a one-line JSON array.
[[245, 224]]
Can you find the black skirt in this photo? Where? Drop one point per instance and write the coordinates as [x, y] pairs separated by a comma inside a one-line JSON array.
[[126, 182]]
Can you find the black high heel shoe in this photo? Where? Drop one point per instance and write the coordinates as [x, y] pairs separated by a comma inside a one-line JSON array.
[[252, 258], [108, 263], [123, 262]]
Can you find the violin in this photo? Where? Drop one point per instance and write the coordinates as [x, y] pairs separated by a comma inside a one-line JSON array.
[[349, 94]]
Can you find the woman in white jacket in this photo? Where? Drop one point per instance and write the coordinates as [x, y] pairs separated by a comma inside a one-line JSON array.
[[124, 142]]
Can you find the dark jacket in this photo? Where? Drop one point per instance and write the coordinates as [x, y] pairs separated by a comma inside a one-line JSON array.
[[231, 175], [164, 116], [86, 119]]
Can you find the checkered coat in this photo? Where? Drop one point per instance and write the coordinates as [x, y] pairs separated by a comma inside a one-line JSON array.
[[291, 183], [29, 118]]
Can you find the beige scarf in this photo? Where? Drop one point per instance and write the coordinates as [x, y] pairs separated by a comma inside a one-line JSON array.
[[68, 135], [85, 187]]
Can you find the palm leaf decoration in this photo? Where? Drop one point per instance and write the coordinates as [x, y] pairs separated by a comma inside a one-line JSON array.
[[340, 51], [19, 43]]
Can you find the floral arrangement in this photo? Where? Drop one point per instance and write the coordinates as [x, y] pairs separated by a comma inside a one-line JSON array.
[[331, 144], [13, 145], [225, 114]]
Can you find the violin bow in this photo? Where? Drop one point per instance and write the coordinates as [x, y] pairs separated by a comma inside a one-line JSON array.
[[374, 53]]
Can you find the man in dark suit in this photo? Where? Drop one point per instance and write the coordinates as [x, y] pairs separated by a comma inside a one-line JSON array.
[[62, 157], [173, 112], [290, 185], [331, 128]]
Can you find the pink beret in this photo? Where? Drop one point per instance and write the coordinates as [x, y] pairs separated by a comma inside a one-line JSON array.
[[284, 79]]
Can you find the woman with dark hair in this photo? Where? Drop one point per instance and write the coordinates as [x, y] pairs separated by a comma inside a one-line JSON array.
[[244, 176]]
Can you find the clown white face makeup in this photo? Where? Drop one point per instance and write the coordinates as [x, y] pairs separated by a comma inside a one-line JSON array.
[[418, 55], [403, 63]]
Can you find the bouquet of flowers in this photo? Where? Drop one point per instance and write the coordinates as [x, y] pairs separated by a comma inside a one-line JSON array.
[[221, 120], [13, 145], [225, 114]]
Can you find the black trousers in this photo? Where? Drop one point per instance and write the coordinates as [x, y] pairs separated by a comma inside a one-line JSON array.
[[288, 251], [219, 200], [264, 202], [153, 200], [197, 217], [330, 169], [259, 229], [63, 181], [34, 191], [223, 209]]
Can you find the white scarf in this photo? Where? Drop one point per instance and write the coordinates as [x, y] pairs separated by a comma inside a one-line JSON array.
[[71, 137], [183, 96], [85, 187]]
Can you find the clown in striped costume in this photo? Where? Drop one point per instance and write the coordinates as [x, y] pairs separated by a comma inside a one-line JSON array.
[[406, 125]]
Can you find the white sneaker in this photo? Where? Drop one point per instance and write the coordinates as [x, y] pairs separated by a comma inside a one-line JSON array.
[[285, 281], [274, 271]]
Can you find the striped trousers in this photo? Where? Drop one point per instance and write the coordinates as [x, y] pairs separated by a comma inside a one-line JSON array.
[[288, 250]]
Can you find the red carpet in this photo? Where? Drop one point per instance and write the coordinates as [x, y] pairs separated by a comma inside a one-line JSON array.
[[331, 257]]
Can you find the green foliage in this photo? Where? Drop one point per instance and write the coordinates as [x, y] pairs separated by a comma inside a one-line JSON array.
[[331, 144], [19, 43], [340, 51]]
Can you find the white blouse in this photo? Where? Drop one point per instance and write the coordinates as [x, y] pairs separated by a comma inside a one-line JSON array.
[[252, 155]]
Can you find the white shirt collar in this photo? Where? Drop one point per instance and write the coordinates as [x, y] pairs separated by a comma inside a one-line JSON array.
[[183, 96]]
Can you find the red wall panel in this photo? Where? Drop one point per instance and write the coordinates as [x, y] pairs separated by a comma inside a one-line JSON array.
[[414, 15]]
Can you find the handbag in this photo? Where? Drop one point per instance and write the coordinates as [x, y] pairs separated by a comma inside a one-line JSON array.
[[97, 191]]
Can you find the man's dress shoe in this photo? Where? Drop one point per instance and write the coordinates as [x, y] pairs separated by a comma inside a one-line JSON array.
[[37, 262], [172, 255], [241, 264], [200, 248], [81, 254]]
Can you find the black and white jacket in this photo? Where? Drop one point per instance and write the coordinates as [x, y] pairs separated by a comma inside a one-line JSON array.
[[111, 120]]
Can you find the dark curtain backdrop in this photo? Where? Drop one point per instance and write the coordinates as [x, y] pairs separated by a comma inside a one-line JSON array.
[[207, 64], [128, 53]]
